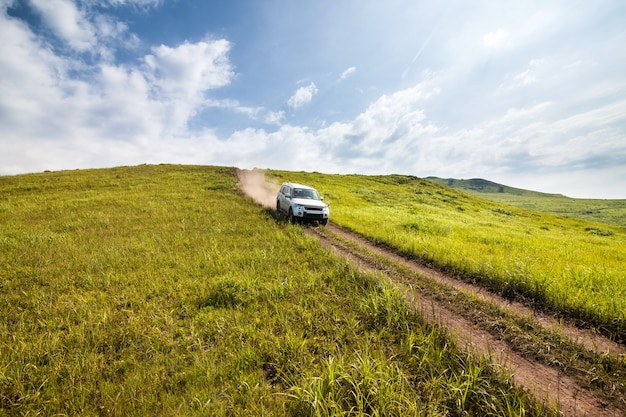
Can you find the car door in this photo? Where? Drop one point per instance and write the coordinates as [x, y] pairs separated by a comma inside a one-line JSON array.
[[287, 198], [282, 198]]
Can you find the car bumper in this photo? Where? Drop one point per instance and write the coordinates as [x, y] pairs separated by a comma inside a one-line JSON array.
[[314, 216], [307, 213]]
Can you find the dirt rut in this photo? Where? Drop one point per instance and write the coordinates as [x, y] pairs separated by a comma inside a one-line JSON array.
[[585, 337]]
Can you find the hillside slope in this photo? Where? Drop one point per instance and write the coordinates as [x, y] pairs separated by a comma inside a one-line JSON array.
[[604, 211], [163, 290], [480, 185]]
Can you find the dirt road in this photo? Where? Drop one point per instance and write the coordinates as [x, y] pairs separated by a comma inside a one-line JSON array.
[[552, 382], [546, 382]]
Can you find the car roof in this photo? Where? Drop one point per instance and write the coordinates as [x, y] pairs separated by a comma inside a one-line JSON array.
[[295, 185]]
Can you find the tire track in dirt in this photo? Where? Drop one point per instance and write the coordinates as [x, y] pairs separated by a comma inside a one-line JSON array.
[[546, 383], [584, 337]]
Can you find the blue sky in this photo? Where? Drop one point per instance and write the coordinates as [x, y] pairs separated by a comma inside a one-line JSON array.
[[526, 93]]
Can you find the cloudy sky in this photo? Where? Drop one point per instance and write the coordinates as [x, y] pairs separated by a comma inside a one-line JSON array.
[[526, 93]]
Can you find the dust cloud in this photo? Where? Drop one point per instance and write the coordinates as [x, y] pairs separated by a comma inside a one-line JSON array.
[[254, 184]]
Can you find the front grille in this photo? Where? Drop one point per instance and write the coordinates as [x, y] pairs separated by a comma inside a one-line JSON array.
[[313, 208], [313, 216]]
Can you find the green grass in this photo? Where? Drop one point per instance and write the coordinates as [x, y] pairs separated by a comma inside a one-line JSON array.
[[573, 267], [597, 210], [162, 290], [603, 373]]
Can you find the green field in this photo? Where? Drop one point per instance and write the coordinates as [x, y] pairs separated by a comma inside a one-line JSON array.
[[573, 267], [598, 210], [163, 290]]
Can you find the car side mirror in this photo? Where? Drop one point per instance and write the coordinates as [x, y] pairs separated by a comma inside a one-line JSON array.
[[322, 198], [287, 195]]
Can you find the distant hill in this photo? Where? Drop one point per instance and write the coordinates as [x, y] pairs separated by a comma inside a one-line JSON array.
[[604, 211], [485, 186]]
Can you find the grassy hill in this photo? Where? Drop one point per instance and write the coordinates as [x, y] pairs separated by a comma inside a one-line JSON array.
[[606, 211], [573, 267], [163, 290]]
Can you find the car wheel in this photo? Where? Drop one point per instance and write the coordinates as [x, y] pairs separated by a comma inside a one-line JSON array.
[[278, 206], [292, 219], [324, 222]]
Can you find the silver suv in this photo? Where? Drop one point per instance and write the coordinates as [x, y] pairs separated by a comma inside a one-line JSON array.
[[301, 203]]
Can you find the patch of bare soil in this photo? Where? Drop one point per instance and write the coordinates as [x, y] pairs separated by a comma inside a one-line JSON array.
[[545, 382]]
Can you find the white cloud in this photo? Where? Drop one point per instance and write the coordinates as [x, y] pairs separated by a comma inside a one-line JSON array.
[[390, 118], [525, 78], [191, 68], [302, 96], [498, 39], [254, 113], [30, 87], [109, 28], [68, 22], [60, 110], [233, 105], [179, 76], [347, 73], [378, 140], [274, 117], [527, 140]]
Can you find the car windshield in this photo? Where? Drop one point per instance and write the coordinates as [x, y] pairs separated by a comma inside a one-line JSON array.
[[305, 193]]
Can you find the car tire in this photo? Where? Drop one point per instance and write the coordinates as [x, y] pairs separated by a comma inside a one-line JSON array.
[[278, 206], [292, 219], [324, 222]]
